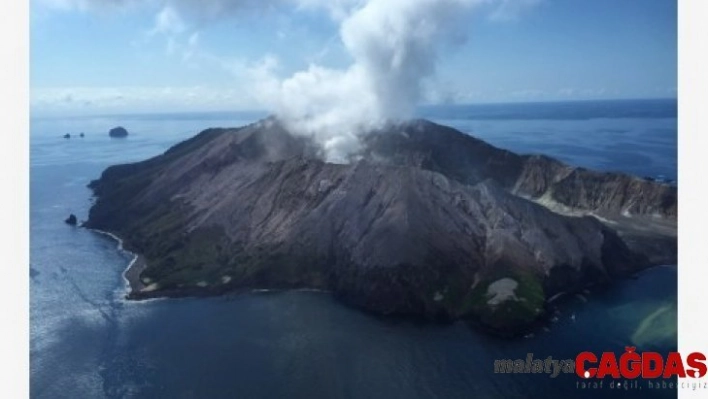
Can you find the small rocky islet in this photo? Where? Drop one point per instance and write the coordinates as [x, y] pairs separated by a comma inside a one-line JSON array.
[[118, 132], [71, 220], [425, 222]]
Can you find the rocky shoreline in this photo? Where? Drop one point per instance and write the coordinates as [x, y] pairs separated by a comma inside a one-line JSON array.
[[135, 291]]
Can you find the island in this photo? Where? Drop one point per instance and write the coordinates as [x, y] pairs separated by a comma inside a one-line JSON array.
[[118, 132], [425, 222]]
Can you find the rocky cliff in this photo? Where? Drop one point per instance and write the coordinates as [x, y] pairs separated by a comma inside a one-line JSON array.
[[426, 222]]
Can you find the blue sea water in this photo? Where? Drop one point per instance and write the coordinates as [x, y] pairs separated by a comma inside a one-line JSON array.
[[86, 341]]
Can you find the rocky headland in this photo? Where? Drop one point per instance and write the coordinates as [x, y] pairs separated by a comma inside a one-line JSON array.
[[426, 221]]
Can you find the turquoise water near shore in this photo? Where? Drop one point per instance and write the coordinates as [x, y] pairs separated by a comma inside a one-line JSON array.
[[87, 341]]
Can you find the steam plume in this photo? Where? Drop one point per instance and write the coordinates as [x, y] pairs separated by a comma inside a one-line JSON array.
[[394, 45]]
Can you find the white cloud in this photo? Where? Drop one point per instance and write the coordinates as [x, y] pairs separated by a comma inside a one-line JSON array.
[[92, 100], [338, 9], [567, 91], [593, 92], [509, 10], [528, 94], [168, 22]]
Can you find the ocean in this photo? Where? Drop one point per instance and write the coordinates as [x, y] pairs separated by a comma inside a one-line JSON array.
[[86, 341]]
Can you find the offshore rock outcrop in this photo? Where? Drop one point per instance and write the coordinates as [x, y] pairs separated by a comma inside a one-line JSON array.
[[71, 220], [427, 221], [118, 132]]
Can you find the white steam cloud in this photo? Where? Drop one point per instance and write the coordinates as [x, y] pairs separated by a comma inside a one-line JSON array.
[[394, 46]]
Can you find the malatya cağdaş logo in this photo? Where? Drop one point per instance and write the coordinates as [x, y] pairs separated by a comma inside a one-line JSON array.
[[631, 365]]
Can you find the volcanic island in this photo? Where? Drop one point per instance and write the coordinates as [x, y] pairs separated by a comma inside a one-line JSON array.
[[424, 221]]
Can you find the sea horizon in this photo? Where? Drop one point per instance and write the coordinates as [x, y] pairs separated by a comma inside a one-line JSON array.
[[39, 115]]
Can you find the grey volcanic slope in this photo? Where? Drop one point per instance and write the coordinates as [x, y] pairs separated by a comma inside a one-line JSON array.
[[427, 221]]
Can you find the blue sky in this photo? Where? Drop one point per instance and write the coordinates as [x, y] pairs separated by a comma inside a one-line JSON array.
[[162, 56]]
